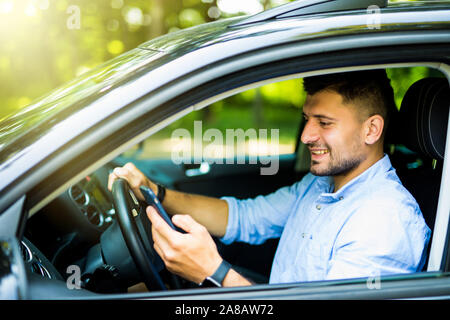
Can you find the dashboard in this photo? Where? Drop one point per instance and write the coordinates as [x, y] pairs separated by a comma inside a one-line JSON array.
[[93, 201], [68, 230], [36, 262], [78, 231]]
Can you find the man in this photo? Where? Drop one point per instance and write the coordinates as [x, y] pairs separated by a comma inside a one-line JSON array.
[[349, 217]]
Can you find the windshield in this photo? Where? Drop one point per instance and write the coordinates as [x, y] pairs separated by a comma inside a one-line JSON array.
[[70, 97]]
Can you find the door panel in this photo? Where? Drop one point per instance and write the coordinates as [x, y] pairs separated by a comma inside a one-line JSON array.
[[239, 180]]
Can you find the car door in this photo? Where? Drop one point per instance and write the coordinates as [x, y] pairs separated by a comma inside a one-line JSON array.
[[432, 284], [290, 62]]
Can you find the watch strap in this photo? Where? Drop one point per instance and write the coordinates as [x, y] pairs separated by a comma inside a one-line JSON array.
[[220, 274], [161, 193]]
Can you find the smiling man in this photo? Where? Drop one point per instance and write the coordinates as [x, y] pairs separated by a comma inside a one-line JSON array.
[[349, 217], [345, 124]]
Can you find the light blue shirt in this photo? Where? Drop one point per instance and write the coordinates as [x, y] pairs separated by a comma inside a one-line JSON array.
[[372, 226]]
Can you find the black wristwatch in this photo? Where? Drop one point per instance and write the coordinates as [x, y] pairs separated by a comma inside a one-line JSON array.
[[216, 280], [161, 192]]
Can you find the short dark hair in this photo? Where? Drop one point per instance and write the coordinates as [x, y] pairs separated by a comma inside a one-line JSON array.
[[369, 90]]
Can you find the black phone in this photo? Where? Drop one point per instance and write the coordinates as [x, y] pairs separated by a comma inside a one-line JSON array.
[[152, 199]]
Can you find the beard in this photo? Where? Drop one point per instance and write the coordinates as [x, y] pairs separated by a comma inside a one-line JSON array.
[[336, 168], [338, 163]]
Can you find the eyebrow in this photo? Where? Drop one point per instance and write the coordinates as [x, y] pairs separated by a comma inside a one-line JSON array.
[[320, 116]]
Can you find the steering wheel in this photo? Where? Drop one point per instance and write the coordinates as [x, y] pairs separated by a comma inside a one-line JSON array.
[[137, 236]]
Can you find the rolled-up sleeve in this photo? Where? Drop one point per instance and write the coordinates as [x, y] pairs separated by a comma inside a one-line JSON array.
[[264, 217]]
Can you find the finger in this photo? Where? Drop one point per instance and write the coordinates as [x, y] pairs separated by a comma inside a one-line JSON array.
[[113, 176], [116, 174], [130, 166], [132, 179], [158, 242], [111, 179], [162, 247], [121, 172], [186, 222], [159, 224], [131, 173], [161, 253]]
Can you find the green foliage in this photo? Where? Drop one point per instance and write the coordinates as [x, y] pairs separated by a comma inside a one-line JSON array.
[[272, 106], [46, 43], [403, 78], [289, 93]]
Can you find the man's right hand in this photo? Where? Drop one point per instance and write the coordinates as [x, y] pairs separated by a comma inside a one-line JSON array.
[[133, 176]]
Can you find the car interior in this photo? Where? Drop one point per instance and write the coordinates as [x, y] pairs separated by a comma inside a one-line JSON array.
[[79, 227], [421, 126]]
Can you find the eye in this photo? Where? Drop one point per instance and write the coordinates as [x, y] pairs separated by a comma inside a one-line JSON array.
[[324, 124]]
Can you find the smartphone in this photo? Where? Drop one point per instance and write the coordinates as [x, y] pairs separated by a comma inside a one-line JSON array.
[[152, 199]]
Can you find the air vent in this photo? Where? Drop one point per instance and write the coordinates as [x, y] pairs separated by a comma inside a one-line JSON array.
[[26, 252], [81, 198], [78, 195], [93, 215]]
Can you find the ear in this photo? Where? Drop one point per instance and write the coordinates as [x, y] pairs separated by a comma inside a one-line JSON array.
[[373, 127]]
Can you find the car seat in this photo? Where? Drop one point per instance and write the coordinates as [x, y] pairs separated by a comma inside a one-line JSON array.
[[418, 132]]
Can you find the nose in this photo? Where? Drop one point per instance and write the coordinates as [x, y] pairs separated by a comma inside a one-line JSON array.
[[310, 133]]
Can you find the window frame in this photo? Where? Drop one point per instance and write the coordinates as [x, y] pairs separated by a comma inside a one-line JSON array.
[[134, 131]]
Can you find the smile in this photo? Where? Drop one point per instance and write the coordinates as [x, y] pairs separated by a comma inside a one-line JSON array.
[[319, 152]]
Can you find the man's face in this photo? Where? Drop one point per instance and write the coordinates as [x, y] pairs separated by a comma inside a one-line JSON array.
[[333, 134]]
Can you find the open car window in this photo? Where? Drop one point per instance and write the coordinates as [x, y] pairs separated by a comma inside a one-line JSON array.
[[193, 155], [217, 128]]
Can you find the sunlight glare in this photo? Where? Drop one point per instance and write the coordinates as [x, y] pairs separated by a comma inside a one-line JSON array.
[[6, 6], [239, 6]]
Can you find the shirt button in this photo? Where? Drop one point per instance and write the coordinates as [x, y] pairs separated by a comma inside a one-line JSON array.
[[341, 198], [318, 207]]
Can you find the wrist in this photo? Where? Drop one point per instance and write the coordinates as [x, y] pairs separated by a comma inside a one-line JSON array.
[[216, 279], [234, 279]]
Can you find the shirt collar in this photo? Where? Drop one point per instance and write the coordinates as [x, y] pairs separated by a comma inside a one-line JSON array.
[[326, 184]]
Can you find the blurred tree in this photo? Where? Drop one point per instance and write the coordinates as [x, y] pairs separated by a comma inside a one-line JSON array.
[[48, 42]]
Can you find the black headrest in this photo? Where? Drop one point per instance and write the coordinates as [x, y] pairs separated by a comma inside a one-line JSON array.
[[423, 117]]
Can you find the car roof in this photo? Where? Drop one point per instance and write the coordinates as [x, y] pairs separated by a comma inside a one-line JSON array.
[[45, 114]]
